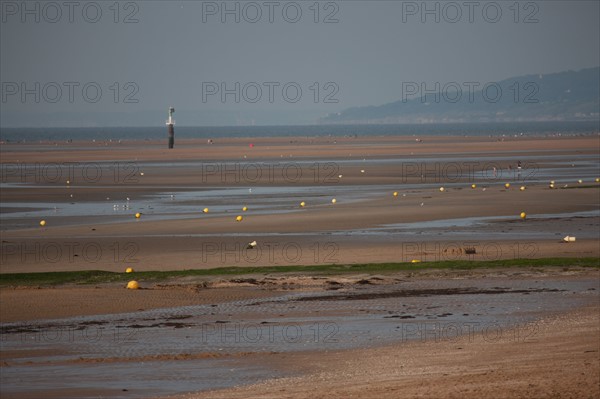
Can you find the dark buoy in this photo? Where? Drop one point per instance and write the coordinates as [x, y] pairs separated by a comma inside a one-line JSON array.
[[170, 128]]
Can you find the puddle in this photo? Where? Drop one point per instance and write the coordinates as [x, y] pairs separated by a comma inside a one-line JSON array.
[[473, 221], [126, 380]]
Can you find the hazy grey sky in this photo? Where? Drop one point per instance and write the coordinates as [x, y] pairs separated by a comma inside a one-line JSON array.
[[164, 53]]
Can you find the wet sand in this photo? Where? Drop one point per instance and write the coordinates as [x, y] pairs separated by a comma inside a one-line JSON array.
[[93, 226], [26, 303], [69, 301], [367, 224], [401, 331], [302, 148]]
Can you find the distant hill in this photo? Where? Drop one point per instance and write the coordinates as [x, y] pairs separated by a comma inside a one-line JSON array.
[[571, 95]]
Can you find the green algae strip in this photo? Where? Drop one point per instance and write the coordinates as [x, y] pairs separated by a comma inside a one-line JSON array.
[[100, 276]]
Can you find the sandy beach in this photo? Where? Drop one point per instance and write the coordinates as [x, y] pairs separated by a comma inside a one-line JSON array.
[[559, 360], [397, 200], [300, 199]]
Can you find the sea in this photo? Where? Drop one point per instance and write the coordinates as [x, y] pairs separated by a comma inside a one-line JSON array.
[[215, 132]]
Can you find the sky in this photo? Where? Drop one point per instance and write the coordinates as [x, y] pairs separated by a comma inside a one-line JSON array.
[[107, 63]]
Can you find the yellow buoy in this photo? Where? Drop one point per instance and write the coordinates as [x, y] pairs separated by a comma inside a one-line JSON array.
[[333, 201], [205, 210], [551, 185], [245, 208], [42, 223], [442, 189], [551, 181], [133, 285], [302, 204], [597, 179], [395, 193], [579, 181], [523, 215], [129, 270], [507, 185], [138, 215], [239, 218], [522, 188], [473, 186], [415, 261]]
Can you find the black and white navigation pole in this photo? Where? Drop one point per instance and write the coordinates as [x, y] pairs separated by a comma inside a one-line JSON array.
[[170, 129]]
